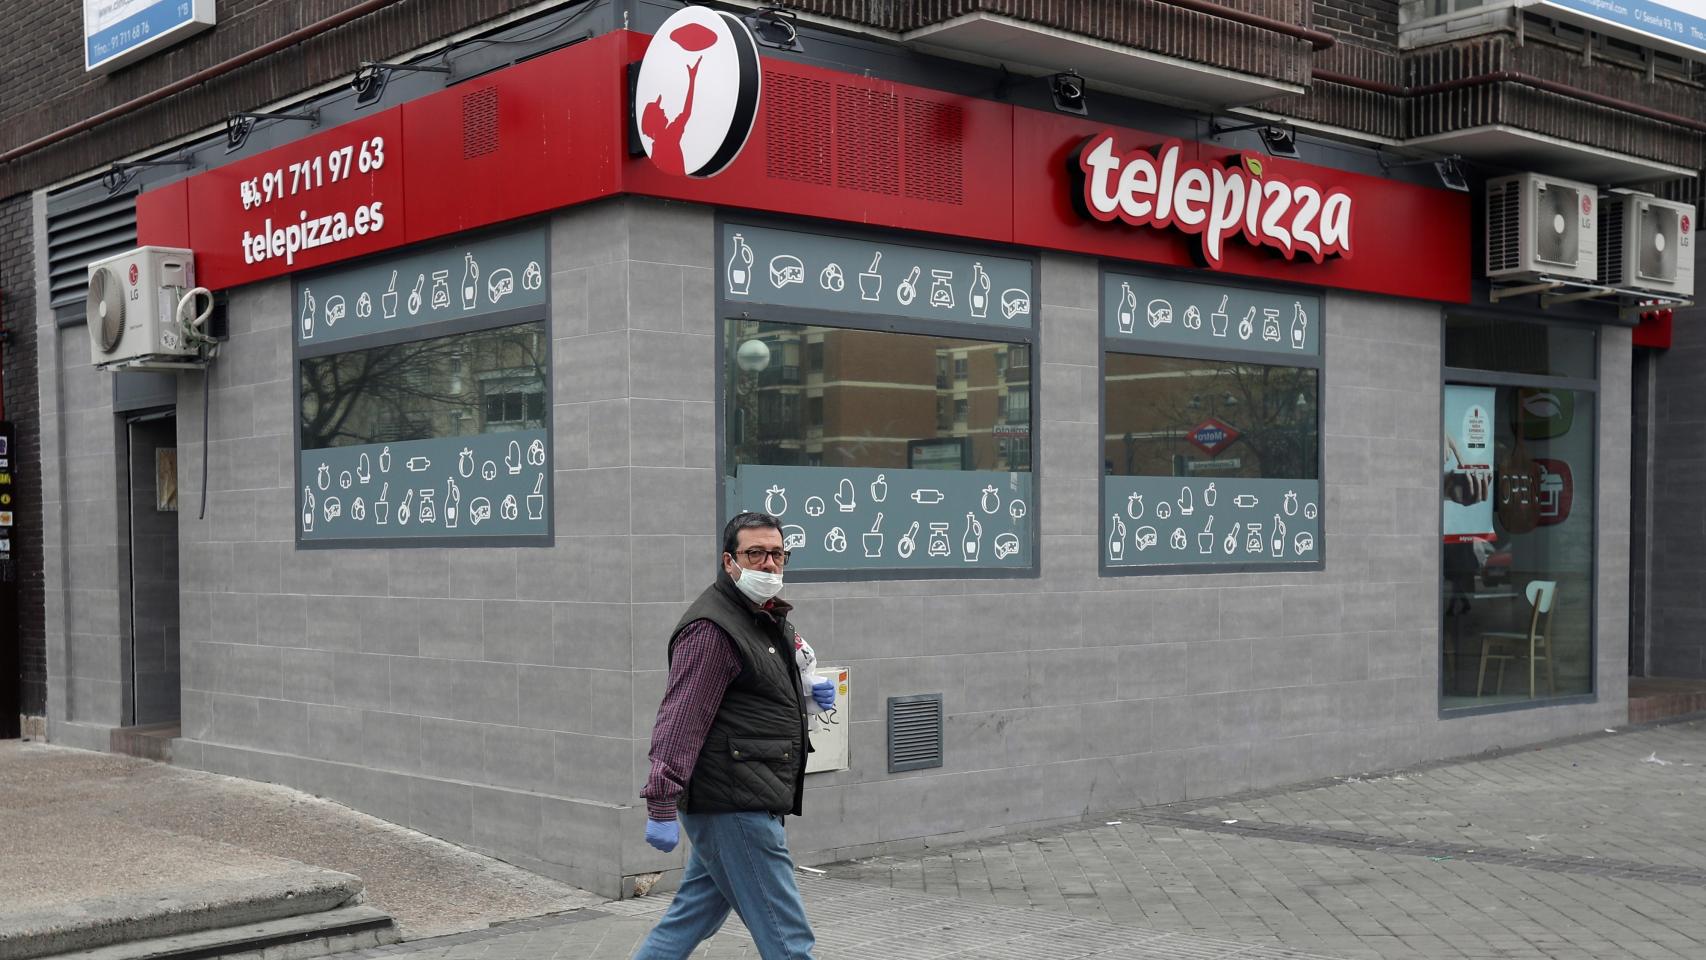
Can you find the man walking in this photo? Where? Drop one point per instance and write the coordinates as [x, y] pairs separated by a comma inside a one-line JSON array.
[[729, 754]]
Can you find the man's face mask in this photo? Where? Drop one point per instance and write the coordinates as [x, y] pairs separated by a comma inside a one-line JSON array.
[[757, 584]]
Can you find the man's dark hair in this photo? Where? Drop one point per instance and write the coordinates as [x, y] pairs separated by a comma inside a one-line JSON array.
[[747, 521]]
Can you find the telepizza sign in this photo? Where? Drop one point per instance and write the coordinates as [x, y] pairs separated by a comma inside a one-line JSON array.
[[1159, 187], [697, 93]]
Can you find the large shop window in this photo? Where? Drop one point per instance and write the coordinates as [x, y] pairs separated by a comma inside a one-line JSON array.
[[1517, 494], [1211, 439], [423, 397], [464, 384], [877, 398]]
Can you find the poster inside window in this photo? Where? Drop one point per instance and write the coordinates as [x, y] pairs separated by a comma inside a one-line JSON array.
[[1517, 491], [1517, 487]]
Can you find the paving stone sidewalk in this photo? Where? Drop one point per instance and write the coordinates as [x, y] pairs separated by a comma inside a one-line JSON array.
[[853, 921], [1588, 848], [1591, 848]]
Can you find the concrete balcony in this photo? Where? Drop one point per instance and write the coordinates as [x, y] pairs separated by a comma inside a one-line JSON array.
[[1189, 53]]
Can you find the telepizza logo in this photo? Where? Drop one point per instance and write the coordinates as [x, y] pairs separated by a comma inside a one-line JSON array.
[[1158, 187], [697, 92]]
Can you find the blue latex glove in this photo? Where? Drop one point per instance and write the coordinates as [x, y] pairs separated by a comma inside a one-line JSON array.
[[663, 834], [823, 691]]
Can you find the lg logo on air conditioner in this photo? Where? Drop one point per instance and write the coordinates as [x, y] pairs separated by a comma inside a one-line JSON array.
[[697, 93]]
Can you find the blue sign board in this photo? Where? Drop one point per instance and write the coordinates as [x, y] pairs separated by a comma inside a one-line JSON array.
[[1680, 22], [117, 32]]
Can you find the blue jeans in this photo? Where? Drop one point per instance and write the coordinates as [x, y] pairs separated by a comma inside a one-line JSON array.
[[738, 861]]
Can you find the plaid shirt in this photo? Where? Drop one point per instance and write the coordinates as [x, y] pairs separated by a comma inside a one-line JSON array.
[[700, 670]]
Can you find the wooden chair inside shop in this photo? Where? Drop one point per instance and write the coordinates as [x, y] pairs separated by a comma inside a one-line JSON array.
[[1507, 645]]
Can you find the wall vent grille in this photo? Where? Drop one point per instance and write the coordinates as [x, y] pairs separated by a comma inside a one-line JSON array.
[[796, 105], [480, 123], [1504, 239], [79, 235], [1611, 239], [935, 160], [867, 145], [915, 732]]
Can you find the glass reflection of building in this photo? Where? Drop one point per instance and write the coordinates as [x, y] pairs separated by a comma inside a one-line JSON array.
[[1157, 405], [839, 397]]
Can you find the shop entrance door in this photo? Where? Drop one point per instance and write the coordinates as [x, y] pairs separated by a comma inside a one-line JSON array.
[[152, 627]]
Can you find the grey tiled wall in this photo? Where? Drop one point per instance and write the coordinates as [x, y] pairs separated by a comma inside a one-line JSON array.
[[1676, 573], [81, 469], [502, 698]]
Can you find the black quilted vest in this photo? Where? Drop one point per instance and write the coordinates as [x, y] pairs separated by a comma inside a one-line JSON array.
[[754, 758]]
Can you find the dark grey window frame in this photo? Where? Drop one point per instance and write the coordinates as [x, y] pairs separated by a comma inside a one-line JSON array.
[[1470, 376], [428, 331], [1105, 346], [991, 333]]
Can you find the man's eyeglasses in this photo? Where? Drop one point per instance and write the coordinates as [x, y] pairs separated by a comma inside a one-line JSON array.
[[757, 555]]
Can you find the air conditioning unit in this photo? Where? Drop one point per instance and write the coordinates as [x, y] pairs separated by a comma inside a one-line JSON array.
[[1542, 227], [132, 309], [1647, 244]]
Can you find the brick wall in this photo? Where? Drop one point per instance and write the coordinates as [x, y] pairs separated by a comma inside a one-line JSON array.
[[1153, 25], [18, 365], [1372, 22], [43, 87]]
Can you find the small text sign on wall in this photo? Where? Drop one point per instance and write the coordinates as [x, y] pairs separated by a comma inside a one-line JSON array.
[[117, 32]]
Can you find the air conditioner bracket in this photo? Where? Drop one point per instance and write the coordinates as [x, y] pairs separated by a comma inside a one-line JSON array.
[[1553, 291], [158, 364], [1631, 305], [1586, 292], [1507, 291]]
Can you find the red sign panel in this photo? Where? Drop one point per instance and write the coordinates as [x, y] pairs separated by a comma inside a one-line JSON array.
[[538, 136], [326, 198], [861, 150], [697, 92], [1212, 436], [1427, 258], [552, 132], [1219, 201]]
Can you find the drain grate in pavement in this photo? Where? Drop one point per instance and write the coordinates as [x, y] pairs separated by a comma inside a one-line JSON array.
[[1502, 856]]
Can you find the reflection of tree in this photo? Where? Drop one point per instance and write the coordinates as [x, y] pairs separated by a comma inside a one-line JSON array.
[[1273, 408], [411, 391]]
